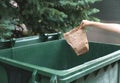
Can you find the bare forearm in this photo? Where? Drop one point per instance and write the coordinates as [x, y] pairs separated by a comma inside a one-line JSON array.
[[113, 27], [107, 26]]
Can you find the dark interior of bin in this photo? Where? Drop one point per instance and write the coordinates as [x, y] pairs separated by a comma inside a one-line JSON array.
[[58, 54]]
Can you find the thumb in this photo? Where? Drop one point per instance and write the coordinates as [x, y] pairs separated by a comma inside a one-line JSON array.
[[82, 25]]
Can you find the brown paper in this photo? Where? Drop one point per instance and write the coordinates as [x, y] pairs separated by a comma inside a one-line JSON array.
[[77, 39]]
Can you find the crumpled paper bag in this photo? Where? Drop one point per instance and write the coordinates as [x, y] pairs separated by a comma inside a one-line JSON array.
[[77, 39]]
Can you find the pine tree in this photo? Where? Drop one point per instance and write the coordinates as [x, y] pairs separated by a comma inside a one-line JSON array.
[[55, 15], [7, 13]]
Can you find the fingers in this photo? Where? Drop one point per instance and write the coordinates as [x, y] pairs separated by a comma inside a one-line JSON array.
[[82, 25], [85, 23]]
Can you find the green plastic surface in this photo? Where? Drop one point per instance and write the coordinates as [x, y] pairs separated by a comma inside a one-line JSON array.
[[27, 41], [56, 62], [3, 75]]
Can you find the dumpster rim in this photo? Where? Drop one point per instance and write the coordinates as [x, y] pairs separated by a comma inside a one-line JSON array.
[[115, 56]]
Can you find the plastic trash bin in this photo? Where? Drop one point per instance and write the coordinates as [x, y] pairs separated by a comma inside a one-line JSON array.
[[15, 42], [6, 44], [27, 40], [56, 62], [37, 39]]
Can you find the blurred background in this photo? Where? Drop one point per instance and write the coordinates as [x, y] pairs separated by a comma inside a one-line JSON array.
[[23, 18], [109, 12]]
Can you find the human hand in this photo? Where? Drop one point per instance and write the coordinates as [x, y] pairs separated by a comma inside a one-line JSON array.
[[85, 23]]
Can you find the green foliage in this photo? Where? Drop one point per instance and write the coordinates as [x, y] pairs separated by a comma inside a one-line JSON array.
[[43, 16], [55, 15], [6, 28], [7, 12]]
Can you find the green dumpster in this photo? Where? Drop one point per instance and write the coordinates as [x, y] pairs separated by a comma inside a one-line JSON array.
[[27, 40], [15, 42], [56, 62], [37, 39]]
